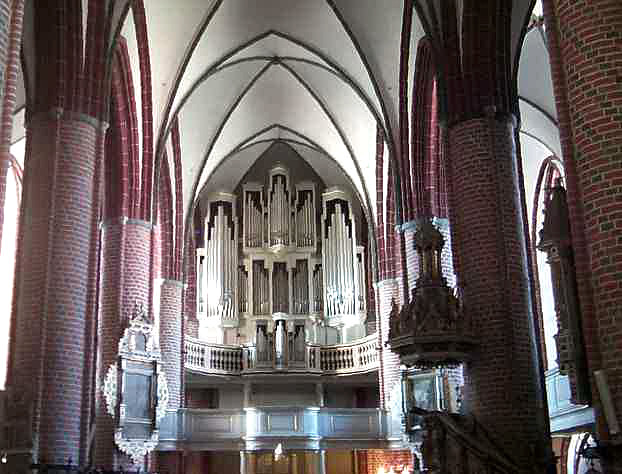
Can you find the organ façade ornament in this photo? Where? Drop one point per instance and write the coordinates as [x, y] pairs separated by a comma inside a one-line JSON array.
[[135, 388], [432, 329]]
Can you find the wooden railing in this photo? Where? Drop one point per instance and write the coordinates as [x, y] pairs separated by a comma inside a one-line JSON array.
[[355, 357]]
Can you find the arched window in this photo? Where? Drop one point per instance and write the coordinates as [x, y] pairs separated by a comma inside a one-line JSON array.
[[8, 247]]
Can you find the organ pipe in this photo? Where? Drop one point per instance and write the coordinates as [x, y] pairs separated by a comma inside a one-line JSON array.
[[219, 272], [301, 287], [305, 220], [242, 290], [261, 295], [318, 289], [339, 260], [279, 215]]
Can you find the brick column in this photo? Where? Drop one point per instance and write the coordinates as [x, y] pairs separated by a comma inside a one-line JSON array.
[[124, 281], [386, 291], [5, 15], [54, 274], [412, 259], [170, 339], [586, 59], [501, 387]]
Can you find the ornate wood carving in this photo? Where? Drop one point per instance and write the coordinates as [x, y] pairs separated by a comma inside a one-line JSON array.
[[432, 330], [137, 412], [556, 241]]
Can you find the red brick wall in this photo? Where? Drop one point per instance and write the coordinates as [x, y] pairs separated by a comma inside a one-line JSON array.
[[588, 77], [501, 385], [390, 364], [191, 324], [170, 339], [377, 458]]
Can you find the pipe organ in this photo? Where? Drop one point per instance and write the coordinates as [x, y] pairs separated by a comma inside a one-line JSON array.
[[217, 263], [295, 266]]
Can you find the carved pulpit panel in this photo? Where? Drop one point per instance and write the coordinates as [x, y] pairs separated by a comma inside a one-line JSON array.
[[135, 389]]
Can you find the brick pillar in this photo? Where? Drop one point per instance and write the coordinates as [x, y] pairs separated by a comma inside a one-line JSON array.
[[586, 60], [501, 387], [5, 15], [54, 274], [386, 291], [412, 259], [124, 281], [170, 339]]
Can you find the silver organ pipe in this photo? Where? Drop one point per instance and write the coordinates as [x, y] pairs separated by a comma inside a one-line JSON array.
[[279, 215], [200, 268], [360, 288], [261, 295], [219, 272], [242, 290], [253, 225], [318, 289], [305, 220], [339, 257], [280, 288], [301, 287]]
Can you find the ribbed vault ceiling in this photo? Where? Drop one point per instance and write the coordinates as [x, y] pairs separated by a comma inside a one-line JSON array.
[[318, 75], [239, 75]]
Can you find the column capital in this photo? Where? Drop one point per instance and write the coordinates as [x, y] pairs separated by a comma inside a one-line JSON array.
[[124, 220], [58, 113]]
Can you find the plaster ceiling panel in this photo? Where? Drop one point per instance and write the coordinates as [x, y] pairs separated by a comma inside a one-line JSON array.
[[276, 46], [415, 37], [271, 133], [277, 97], [534, 74], [20, 92], [350, 113], [170, 32], [204, 112], [28, 46], [129, 33], [226, 176], [325, 167], [533, 154], [237, 22], [521, 12], [377, 27], [538, 125], [291, 136]]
